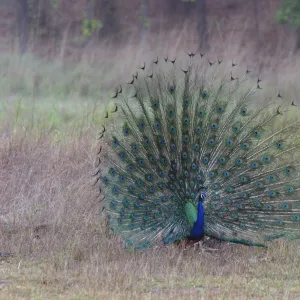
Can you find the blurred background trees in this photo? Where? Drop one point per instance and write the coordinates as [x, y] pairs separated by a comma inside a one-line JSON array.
[[289, 13], [63, 27]]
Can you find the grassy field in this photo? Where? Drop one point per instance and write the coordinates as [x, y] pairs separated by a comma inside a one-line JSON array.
[[51, 219]]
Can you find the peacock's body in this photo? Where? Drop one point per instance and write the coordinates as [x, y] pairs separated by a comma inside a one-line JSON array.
[[192, 152]]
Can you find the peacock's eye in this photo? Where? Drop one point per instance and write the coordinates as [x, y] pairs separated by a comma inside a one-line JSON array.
[[203, 195]]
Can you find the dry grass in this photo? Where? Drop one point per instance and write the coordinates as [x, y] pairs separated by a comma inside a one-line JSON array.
[[51, 219]]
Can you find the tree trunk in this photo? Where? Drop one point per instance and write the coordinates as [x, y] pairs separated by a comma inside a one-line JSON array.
[[298, 39], [144, 20], [23, 25], [202, 25], [89, 9], [107, 12], [256, 20]]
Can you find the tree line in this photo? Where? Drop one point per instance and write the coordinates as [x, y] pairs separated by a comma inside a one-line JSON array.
[[97, 18]]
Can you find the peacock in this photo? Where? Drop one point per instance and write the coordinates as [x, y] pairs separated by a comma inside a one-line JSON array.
[[191, 149]]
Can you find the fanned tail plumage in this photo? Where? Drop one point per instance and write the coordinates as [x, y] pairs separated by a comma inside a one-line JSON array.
[[195, 152]]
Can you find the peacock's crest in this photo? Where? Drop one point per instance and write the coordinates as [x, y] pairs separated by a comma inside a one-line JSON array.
[[193, 151]]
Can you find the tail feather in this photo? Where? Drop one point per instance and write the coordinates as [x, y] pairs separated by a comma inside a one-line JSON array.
[[190, 131]]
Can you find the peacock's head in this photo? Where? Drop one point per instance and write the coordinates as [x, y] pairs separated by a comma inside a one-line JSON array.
[[202, 196], [203, 193]]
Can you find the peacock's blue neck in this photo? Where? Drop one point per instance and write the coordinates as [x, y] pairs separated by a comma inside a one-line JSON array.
[[197, 231]]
